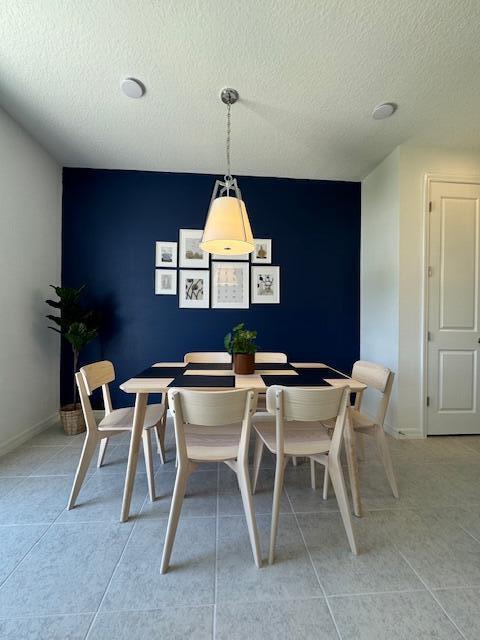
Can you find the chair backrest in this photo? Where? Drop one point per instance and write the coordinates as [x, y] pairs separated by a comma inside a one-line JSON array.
[[308, 405], [88, 414], [211, 409], [207, 356], [376, 377], [265, 356], [99, 374]]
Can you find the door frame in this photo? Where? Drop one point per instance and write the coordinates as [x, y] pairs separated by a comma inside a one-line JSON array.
[[429, 179]]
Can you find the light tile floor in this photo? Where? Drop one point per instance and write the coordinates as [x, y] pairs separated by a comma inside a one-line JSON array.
[[81, 574]]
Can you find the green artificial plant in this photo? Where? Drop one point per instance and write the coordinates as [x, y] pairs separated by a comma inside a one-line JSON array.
[[77, 325], [240, 340]]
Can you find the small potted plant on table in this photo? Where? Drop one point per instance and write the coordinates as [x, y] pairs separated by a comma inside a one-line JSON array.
[[78, 326], [240, 343]]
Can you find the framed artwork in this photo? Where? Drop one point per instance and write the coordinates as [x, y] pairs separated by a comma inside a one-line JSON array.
[[191, 256], [243, 256], [230, 285], [165, 282], [266, 285], [165, 254], [262, 254], [194, 289]]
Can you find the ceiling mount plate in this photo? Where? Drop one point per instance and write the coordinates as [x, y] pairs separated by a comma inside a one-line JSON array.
[[229, 96]]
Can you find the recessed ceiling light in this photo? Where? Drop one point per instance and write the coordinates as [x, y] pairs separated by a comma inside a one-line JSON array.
[[133, 88], [384, 110]]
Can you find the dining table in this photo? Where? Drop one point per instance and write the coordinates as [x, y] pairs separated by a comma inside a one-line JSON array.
[[162, 376]]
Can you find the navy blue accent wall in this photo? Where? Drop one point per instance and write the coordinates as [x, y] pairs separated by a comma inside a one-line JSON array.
[[111, 220]]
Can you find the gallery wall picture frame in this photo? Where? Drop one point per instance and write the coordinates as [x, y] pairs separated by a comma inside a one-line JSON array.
[[262, 254], [194, 289], [230, 285], [165, 282], [191, 256], [265, 284], [165, 254]]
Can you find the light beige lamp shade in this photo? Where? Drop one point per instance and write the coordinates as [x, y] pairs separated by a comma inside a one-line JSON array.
[[227, 230]]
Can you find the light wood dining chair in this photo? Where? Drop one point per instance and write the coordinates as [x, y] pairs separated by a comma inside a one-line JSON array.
[[380, 379], [115, 422], [207, 356], [295, 429], [211, 426]]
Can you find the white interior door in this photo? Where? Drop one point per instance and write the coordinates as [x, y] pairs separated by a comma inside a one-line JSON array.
[[453, 340]]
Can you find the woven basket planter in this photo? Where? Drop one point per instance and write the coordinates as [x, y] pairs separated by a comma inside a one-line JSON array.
[[72, 420]]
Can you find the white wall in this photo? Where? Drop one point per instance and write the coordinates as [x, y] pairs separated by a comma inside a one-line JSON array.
[[380, 273], [415, 164], [392, 269], [30, 246]]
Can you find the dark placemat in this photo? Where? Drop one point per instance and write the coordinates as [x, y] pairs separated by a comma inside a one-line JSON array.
[[272, 366], [161, 372], [203, 381], [199, 366], [324, 372], [296, 381]]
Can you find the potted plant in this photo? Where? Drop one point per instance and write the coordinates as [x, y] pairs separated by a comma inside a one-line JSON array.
[[78, 326], [240, 343]]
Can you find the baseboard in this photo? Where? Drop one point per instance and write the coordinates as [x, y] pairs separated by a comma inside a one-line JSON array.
[[399, 434], [18, 439]]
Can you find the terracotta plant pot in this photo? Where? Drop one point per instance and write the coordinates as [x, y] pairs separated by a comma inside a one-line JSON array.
[[244, 363], [72, 419]]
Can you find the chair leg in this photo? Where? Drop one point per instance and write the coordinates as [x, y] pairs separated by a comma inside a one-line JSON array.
[[277, 494], [257, 460], [83, 464], [294, 461], [361, 445], [177, 501], [160, 429], [101, 453], [313, 478], [338, 482], [386, 459], [147, 452], [247, 499], [325, 482]]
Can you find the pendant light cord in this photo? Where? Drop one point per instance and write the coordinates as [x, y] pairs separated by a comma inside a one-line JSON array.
[[228, 177]]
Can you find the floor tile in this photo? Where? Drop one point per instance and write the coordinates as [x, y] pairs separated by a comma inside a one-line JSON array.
[[239, 580], [302, 497], [8, 484], [230, 499], [66, 572], [100, 499], [64, 462], [35, 500], [396, 616], [138, 584], [293, 619], [116, 458], [377, 567], [68, 627], [462, 608], [15, 542], [25, 460], [56, 436], [200, 497], [166, 623]]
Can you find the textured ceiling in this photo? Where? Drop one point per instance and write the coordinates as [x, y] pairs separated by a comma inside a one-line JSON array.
[[309, 73]]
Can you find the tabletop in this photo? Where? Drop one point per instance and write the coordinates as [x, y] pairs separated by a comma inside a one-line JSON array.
[[215, 376]]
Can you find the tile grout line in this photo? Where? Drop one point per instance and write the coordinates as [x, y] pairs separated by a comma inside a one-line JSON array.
[[314, 568], [50, 525], [432, 595], [215, 576], [468, 533], [92, 622]]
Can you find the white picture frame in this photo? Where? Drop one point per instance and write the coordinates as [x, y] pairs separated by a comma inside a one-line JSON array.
[[262, 254], [190, 254], [165, 282], [242, 256], [230, 285], [194, 289], [165, 254], [265, 284]]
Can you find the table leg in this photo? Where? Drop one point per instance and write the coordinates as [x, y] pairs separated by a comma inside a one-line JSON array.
[[353, 467], [137, 429]]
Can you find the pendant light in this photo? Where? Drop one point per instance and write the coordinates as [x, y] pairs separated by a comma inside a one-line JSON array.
[[227, 230]]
